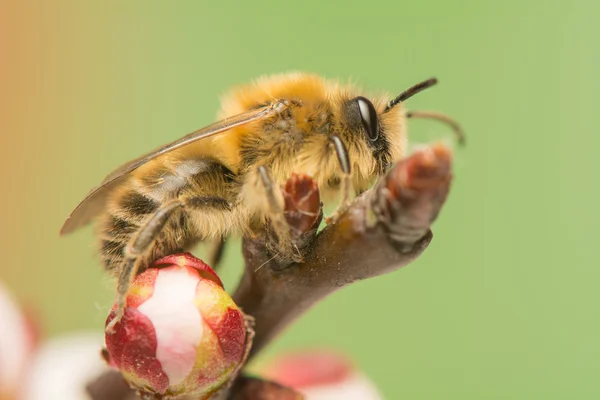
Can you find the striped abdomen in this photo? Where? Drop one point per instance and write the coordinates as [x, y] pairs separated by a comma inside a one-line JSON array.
[[143, 195]]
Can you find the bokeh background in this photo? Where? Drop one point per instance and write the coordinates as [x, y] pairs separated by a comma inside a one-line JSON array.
[[503, 305]]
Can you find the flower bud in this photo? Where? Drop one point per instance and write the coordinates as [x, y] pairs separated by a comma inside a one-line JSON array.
[[181, 332]]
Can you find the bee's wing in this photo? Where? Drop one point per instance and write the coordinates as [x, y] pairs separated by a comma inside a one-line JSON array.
[[93, 204]]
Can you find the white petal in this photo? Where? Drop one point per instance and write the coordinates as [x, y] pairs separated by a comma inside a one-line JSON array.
[[177, 321], [356, 387], [64, 366], [16, 343]]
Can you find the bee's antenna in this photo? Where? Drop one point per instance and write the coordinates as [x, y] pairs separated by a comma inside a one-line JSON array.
[[410, 92], [456, 128]]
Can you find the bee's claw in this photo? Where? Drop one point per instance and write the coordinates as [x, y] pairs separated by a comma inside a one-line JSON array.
[[111, 326], [298, 259], [298, 256], [333, 218]]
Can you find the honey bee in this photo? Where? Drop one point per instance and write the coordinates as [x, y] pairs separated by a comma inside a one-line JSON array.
[[223, 179]]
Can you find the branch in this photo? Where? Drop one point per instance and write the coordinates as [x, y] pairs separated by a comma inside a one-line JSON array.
[[384, 229]]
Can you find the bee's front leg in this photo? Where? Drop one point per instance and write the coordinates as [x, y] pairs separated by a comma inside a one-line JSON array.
[[346, 180]]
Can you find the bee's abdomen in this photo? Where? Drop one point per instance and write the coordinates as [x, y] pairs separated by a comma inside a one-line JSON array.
[[115, 235], [123, 221], [134, 204]]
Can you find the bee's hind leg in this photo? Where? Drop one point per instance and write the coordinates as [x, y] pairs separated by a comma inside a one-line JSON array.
[[142, 240]]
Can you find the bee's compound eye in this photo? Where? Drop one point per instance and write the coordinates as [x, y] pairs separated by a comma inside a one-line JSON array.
[[369, 118]]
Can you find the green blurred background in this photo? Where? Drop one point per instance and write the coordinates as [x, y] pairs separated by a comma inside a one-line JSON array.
[[503, 305]]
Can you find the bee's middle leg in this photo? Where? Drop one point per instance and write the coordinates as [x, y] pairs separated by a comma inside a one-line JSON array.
[[141, 242], [216, 251], [268, 199]]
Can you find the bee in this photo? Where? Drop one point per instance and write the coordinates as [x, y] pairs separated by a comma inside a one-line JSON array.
[[223, 179]]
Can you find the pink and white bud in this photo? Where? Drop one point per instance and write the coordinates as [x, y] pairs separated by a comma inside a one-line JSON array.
[[17, 343], [181, 332], [322, 375]]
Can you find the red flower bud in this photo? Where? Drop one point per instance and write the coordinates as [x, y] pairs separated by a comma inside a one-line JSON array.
[[181, 332]]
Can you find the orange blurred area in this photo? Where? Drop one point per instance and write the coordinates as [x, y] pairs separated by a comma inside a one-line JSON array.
[[502, 305]]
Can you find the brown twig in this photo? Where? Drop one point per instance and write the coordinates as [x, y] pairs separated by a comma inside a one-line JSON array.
[[246, 388], [384, 229]]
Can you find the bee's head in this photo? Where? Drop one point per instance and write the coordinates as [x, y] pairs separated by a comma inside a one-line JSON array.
[[374, 130], [374, 139]]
